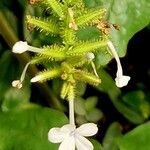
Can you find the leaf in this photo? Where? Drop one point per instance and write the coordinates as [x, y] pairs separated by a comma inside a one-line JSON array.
[[26, 128], [131, 16], [91, 102], [138, 138], [9, 71], [97, 145], [80, 106], [15, 97], [108, 86], [113, 132], [137, 101], [94, 115]]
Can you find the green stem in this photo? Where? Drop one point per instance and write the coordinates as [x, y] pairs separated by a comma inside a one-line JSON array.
[[10, 37]]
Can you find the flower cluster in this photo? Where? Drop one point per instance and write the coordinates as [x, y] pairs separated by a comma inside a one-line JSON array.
[[73, 63]]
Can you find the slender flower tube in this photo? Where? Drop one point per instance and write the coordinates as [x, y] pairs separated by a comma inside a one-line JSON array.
[[18, 83], [21, 47], [121, 80], [90, 56]]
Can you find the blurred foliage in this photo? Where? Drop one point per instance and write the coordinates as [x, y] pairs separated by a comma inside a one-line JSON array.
[[24, 125]]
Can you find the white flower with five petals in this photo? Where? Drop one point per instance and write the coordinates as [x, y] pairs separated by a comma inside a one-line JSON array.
[[71, 137]]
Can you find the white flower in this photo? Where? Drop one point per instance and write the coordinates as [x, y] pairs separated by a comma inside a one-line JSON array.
[[90, 56], [17, 84], [21, 47], [121, 80], [71, 137]]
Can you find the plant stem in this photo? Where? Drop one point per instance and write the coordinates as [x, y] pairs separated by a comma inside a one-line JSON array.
[[10, 38], [71, 112]]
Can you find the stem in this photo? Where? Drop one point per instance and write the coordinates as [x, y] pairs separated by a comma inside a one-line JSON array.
[[10, 37], [71, 112]]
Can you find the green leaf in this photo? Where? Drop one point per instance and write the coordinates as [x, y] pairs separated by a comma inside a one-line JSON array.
[[15, 97], [108, 86], [131, 16], [97, 145], [137, 139], [9, 71], [88, 33], [80, 106], [91, 102], [94, 115], [113, 132], [26, 128], [137, 101]]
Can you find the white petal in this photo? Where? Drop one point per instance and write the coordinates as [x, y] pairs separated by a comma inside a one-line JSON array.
[[82, 143], [90, 56], [20, 47], [87, 129], [68, 144], [122, 80], [36, 79], [56, 136], [68, 128], [17, 84]]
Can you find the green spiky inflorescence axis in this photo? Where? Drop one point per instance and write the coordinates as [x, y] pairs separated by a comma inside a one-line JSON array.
[[70, 55]]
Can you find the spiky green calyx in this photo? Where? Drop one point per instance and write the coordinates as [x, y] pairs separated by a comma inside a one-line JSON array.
[[70, 56], [85, 47], [90, 16], [67, 91], [47, 75], [87, 77], [55, 5], [46, 25]]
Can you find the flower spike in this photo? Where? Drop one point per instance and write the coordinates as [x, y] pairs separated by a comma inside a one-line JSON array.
[[121, 80], [21, 47]]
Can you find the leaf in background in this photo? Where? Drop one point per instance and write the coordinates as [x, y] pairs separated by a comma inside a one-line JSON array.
[[26, 128], [137, 139], [130, 15], [108, 86], [11, 97], [111, 136], [15, 97], [137, 101], [88, 33], [9, 71], [91, 103], [94, 115], [102, 58], [97, 145], [79, 106]]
